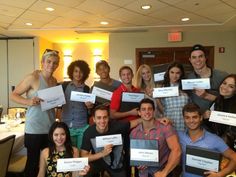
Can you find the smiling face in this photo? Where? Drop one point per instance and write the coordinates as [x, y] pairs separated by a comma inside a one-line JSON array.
[[146, 74], [50, 64], [77, 74], [146, 111], [126, 76], [103, 71], [59, 137], [101, 119], [192, 120], [198, 59], [228, 87], [174, 75]]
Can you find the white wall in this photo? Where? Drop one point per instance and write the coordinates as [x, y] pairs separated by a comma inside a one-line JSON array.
[[122, 46]]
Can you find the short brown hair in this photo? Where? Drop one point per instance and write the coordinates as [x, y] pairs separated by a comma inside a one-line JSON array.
[[101, 107], [125, 67], [191, 107]]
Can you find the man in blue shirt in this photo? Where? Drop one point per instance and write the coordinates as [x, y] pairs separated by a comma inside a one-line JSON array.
[[195, 135]]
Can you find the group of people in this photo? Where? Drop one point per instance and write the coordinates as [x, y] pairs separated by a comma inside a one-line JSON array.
[[174, 122]]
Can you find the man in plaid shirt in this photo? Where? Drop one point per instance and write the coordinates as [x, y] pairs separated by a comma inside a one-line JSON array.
[[152, 129]]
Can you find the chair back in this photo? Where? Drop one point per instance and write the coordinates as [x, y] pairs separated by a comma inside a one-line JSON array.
[[1, 109], [6, 145]]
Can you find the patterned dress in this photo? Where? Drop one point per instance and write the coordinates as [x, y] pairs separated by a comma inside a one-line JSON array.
[[52, 166], [173, 109]]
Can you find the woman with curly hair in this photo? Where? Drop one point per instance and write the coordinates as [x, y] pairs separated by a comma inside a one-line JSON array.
[[59, 147], [75, 114]]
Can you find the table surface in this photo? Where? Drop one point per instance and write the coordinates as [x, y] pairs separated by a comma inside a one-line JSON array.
[[18, 131]]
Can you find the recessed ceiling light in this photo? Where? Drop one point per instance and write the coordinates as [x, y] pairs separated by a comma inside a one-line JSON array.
[[28, 24], [49, 9], [146, 7], [185, 19], [104, 23]]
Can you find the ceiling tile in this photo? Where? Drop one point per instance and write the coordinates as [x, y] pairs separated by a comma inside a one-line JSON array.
[[65, 22], [230, 2], [120, 3], [77, 14], [31, 15], [220, 12], [40, 6], [67, 3], [10, 11], [122, 15], [136, 6], [6, 19], [24, 4], [98, 7], [20, 24]]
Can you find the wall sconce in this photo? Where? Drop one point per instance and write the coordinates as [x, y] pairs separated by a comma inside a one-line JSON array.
[[67, 60], [97, 56]]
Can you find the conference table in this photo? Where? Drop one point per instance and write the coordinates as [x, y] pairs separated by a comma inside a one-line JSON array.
[[18, 130]]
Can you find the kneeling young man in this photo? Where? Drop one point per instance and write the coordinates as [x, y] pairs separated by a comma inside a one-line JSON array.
[[152, 129], [109, 158], [195, 135]]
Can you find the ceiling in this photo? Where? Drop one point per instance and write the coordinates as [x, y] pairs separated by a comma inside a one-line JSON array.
[[73, 20]]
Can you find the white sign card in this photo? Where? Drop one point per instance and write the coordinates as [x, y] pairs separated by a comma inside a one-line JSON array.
[[52, 97], [148, 155], [132, 97], [223, 118], [102, 141], [71, 164], [82, 97], [159, 76], [102, 93], [202, 163], [165, 92], [190, 84]]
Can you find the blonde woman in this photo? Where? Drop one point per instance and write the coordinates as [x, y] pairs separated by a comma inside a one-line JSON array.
[[144, 79]]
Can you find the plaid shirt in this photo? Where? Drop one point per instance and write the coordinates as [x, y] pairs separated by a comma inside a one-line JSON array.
[[160, 133], [173, 109]]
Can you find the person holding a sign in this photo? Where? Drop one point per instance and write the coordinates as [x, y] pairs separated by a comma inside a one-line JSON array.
[[144, 81], [198, 137], [172, 106], [104, 143], [105, 82], [37, 122], [225, 102], [60, 147], [74, 113], [126, 76], [202, 97], [168, 147]]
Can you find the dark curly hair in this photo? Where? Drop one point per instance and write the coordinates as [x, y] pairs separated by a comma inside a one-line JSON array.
[[68, 144], [83, 66]]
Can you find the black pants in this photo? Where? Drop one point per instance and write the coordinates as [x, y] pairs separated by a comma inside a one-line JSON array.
[[99, 166], [34, 144]]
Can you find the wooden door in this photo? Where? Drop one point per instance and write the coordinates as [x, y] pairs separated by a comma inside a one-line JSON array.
[[159, 58]]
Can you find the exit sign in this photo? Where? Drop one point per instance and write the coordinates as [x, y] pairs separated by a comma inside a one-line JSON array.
[[175, 37]]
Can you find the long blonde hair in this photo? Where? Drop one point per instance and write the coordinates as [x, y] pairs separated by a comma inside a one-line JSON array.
[[139, 82]]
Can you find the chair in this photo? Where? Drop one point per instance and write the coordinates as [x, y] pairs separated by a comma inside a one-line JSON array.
[[6, 145], [17, 165], [1, 109]]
